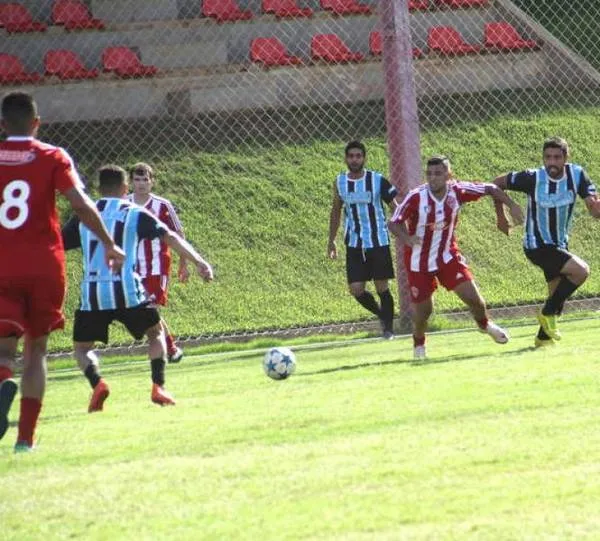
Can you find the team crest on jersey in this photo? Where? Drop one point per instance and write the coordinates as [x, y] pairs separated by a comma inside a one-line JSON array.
[[16, 157]]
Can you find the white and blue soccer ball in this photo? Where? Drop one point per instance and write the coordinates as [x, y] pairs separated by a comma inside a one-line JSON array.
[[279, 363]]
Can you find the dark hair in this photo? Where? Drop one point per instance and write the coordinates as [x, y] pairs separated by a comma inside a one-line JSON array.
[[356, 144], [557, 142], [18, 112], [111, 177], [141, 168], [439, 159]]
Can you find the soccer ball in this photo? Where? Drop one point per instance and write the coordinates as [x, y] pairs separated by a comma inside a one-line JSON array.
[[279, 363]]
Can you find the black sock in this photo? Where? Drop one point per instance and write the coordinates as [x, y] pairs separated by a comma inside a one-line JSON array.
[[158, 371], [387, 309], [542, 334], [563, 291], [369, 302], [92, 375]]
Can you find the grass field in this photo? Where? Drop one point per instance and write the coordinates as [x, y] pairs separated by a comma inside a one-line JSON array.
[[478, 442]]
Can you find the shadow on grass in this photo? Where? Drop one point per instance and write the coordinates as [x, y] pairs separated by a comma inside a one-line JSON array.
[[411, 362]]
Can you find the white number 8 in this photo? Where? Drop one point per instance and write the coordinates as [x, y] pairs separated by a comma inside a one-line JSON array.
[[15, 196]]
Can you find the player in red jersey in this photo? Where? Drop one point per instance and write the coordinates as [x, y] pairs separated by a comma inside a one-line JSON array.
[[154, 256], [425, 222], [32, 261]]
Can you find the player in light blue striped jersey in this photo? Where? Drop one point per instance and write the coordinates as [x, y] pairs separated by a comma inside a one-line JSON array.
[[107, 296]]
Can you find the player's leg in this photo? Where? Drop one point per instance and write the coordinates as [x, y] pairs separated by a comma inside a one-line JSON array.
[[8, 386], [468, 292], [90, 327], [421, 312], [174, 352], [357, 274], [33, 387], [383, 271], [542, 339]]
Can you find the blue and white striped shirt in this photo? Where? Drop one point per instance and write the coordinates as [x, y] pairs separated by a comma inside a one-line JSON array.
[[128, 223], [365, 225], [550, 203]]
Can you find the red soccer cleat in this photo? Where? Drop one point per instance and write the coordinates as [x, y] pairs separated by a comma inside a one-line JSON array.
[[161, 397], [100, 394]]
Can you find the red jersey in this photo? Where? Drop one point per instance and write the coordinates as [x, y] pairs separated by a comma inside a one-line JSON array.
[[30, 174], [434, 222], [154, 256]]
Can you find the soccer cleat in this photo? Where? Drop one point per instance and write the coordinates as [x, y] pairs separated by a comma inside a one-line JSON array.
[[419, 353], [176, 355], [161, 397], [387, 329], [100, 394], [388, 335], [23, 447], [548, 323], [498, 334], [8, 390], [543, 343]]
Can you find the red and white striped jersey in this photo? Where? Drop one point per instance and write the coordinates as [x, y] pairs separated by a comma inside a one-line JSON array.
[[154, 256], [434, 222]]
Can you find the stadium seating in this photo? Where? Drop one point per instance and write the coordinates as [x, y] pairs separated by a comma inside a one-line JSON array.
[[330, 48], [285, 9], [125, 63], [418, 5], [457, 4], [16, 18], [12, 71], [271, 52], [449, 41], [74, 15], [224, 10], [503, 36], [376, 46], [345, 7], [66, 64]]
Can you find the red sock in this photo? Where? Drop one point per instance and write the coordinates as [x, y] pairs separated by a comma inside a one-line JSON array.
[[170, 343], [418, 341], [482, 323], [30, 411], [5, 373]]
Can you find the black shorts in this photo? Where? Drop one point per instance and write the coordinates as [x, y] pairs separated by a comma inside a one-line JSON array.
[[550, 259], [92, 326], [369, 264]]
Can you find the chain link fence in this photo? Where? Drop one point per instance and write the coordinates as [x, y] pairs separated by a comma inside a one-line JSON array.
[[244, 110]]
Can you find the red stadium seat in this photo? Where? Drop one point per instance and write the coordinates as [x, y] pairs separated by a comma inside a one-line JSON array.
[[346, 7], [271, 52], [224, 10], [285, 9], [66, 64], [74, 15], [449, 41], [16, 18], [330, 48], [457, 4], [376, 46], [125, 63], [12, 71], [418, 5], [504, 37]]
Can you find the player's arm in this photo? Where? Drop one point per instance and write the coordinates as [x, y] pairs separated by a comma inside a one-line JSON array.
[[88, 214], [389, 193], [175, 225], [335, 217], [397, 223], [187, 251], [501, 199], [587, 191]]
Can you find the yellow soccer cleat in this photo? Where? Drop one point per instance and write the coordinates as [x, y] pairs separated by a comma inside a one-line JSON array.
[[541, 343], [548, 323]]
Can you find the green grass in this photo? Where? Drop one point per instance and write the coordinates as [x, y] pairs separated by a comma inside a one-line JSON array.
[[479, 442], [260, 215]]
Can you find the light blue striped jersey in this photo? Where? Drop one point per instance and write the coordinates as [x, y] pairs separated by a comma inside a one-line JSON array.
[[550, 203], [128, 224], [364, 218]]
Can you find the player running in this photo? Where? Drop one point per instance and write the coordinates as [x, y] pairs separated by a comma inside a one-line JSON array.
[[32, 261], [154, 256], [108, 297], [552, 191], [426, 222]]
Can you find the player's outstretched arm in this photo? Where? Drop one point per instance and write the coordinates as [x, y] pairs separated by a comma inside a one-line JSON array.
[[593, 205], [88, 214], [399, 230], [496, 191], [185, 250], [334, 223]]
